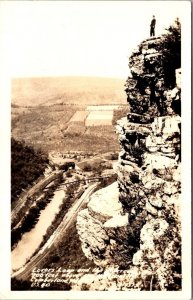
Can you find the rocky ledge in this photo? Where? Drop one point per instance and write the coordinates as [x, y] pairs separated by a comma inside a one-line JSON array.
[[102, 225], [135, 223]]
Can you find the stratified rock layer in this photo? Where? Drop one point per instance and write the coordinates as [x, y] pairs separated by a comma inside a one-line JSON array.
[[150, 92], [135, 223], [150, 187], [102, 226]]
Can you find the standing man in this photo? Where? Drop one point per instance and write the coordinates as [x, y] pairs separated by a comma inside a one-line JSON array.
[[152, 26]]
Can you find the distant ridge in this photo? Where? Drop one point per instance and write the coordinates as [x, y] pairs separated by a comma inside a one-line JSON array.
[[67, 90]]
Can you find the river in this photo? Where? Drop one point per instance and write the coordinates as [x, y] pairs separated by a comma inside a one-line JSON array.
[[31, 240]]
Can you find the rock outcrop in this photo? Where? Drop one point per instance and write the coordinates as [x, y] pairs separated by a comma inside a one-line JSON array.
[[150, 194], [135, 223], [102, 227], [149, 167], [152, 89]]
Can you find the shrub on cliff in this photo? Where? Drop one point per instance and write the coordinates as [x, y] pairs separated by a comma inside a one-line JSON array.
[[171, 52]]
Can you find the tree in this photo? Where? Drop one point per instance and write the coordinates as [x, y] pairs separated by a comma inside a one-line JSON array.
[[87, 167], [26, 166]]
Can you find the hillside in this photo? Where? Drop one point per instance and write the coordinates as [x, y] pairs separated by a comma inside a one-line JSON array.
[[61, 128], [67, 90], [26, 166], [50, 113]]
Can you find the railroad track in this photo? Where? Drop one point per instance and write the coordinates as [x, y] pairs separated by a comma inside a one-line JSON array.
[[40, 185], [25, 272]]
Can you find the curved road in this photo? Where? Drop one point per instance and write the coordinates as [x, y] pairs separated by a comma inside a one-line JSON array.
[[25, 272], [36, 188]]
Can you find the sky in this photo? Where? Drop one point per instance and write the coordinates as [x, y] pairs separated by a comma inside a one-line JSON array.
[[78, 38]]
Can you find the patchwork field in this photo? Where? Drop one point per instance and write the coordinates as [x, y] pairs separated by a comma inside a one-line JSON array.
[[99, 118], [74, 129], [67, 115], [54, 128], [79, 116]]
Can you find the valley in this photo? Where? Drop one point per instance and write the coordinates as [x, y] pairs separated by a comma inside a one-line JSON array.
[[71, 122], [70, 178]]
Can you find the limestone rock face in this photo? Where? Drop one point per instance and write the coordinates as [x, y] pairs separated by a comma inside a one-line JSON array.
[[135, 223], [150, 187], [99, 205], [149, 169], [101, 227], [148, 90]]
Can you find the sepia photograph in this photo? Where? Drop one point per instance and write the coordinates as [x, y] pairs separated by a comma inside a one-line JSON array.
[[96, 193]]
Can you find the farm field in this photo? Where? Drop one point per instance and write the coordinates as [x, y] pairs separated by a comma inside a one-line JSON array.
[[75, 129], [72, 124], [79, 116], [51, 128], [99, 118]]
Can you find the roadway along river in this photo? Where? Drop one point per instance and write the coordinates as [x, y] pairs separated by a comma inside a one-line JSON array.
[[31, 240], [25, 272]]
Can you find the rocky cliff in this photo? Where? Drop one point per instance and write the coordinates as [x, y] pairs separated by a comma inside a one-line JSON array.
[[134, 224]]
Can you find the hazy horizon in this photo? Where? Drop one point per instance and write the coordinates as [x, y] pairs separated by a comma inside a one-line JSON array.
[[67, 89]]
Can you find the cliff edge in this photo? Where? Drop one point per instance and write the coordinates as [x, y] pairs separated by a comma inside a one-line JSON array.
[[134, 225]]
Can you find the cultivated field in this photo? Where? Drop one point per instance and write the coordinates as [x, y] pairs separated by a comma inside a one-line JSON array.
[[75, 129], [99, 118], [51, 128], [79, 116], [81, 121]]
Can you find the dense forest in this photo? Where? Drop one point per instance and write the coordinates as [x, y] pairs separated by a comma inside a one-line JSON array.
[[26, 166]]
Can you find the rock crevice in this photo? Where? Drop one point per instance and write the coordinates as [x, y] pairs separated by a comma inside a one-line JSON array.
[[135, 223]]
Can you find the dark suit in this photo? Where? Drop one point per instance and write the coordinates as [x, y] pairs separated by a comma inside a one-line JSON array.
[[152, 27]]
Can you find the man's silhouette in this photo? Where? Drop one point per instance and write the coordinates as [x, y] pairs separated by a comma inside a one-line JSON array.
[[152, 26]]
